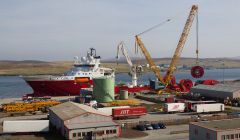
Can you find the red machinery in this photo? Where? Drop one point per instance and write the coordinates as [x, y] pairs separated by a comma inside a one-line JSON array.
[[123, 113], [207, 82], [183, 86], [186, 85], [197, 71]]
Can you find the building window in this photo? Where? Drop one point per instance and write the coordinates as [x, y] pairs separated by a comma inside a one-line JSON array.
[[83, 134], [114, 131], [74, 135], [107, 132], [111, 131], [99, 133], [232, 136], [208, 136], [79, 134], [223, 137], [228, 136]]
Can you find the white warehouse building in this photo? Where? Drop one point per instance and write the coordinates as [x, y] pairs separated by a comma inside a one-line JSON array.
[[77, 121]]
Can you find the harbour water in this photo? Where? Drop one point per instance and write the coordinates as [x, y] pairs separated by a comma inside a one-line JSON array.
[[14, 86]]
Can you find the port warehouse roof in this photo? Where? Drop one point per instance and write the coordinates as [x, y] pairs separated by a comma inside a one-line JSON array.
[[219, 90], [70, 110], [219, 125]]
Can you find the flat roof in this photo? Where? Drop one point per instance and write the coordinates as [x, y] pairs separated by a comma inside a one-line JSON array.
[[218, 87], [220, 124], [190, 101]]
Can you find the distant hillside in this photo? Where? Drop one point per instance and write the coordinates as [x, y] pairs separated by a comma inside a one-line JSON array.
[[33, 67], [235, 58], [15, 64], [208, 62]]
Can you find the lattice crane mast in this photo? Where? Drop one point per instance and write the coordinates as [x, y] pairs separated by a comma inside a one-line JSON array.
[[149, 59], [169, 75], [181, 44]]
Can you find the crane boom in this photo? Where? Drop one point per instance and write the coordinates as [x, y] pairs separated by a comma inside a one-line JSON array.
[[181, 44], [147, 55], [133, 68], [124, 52]]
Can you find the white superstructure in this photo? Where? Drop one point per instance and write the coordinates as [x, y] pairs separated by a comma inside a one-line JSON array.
[[88, 67]]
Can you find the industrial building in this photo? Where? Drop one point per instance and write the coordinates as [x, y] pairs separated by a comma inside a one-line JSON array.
[[77, 121], [220, 91], [215, 130]]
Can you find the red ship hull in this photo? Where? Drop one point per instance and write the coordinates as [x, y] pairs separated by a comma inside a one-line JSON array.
[[56, 87], [69, 87]]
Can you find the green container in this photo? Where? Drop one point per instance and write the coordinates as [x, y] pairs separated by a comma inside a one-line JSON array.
[[103, 89], [123, 95]]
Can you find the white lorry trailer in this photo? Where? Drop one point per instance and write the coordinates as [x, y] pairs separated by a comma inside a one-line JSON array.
[[174, 107], [216, 107], [25, 126]]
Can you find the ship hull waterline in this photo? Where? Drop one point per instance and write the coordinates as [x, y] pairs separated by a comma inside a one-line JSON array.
[[69, 88]]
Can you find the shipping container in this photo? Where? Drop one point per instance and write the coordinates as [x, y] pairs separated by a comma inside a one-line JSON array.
[[108, 110], [25, 126], [200, 108], [190, 103], [128, 112], [174, 107]]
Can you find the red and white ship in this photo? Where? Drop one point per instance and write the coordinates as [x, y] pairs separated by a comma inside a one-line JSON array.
[[70, 83]]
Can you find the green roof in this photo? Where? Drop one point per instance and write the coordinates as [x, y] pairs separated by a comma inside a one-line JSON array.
[[220, 124], [218, 87]]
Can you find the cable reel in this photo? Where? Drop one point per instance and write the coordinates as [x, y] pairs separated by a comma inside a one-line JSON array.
[[197, 71]]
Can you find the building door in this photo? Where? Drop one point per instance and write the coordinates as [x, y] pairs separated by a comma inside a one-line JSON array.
[[88, 136]]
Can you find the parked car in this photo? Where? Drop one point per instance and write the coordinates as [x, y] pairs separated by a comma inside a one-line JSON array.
[[148, 126], [141, 127], [161, 125], [155, 126]]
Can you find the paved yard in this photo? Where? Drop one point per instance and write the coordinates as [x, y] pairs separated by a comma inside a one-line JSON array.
[[164, 134]]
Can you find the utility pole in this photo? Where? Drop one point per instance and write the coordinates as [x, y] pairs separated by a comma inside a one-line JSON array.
[[223, 67]]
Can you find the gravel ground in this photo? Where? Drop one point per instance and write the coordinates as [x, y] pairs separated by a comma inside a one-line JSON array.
[[165, 134], [131, 134]]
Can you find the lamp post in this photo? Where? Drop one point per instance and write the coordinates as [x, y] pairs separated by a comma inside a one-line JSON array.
[[223, 67]]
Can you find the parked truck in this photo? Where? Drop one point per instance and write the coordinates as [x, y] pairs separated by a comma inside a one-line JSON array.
[[216, 107], [109, 110], [174, 107], [124, 113]]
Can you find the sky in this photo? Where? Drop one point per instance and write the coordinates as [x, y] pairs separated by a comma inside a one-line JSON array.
[[52, 30]]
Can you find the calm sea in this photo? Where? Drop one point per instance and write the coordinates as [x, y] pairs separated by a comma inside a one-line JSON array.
[[14, 86]]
